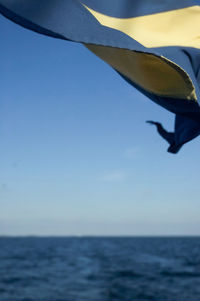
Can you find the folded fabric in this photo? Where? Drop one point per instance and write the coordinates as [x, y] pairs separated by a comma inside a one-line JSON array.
[[152, 44]]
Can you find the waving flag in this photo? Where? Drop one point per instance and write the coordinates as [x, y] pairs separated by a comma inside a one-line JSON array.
[[152, 44]]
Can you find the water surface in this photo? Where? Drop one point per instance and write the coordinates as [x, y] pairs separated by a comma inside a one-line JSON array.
[[99, 269]]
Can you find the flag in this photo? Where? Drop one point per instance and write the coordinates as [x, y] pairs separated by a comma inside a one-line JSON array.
[[154, 45]]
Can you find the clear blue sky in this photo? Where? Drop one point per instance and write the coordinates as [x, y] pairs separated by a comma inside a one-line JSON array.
[[76, 157]]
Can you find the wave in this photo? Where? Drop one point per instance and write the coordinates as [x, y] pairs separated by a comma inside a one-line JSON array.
[[127, 273], [181, 274]]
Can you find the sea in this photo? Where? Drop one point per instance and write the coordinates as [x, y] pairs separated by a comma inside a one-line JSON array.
[[99, 268]]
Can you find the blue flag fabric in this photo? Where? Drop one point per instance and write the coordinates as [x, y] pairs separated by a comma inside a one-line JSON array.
[[154, 45]]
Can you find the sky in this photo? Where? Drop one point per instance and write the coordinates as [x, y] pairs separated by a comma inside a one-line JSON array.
[[76, 156]]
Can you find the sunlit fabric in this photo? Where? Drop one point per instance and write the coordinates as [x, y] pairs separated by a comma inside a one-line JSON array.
[[154, 45]]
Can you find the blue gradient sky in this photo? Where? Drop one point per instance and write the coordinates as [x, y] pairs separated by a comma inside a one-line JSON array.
[[76, 155]]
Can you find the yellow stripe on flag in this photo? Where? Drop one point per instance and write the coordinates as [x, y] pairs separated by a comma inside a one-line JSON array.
[[155, 74], [180, 27]]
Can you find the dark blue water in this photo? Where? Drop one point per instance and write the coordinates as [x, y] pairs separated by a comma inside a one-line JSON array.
[[99, 269]]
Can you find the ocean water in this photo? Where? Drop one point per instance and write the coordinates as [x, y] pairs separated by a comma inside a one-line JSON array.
[[99, 269]]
